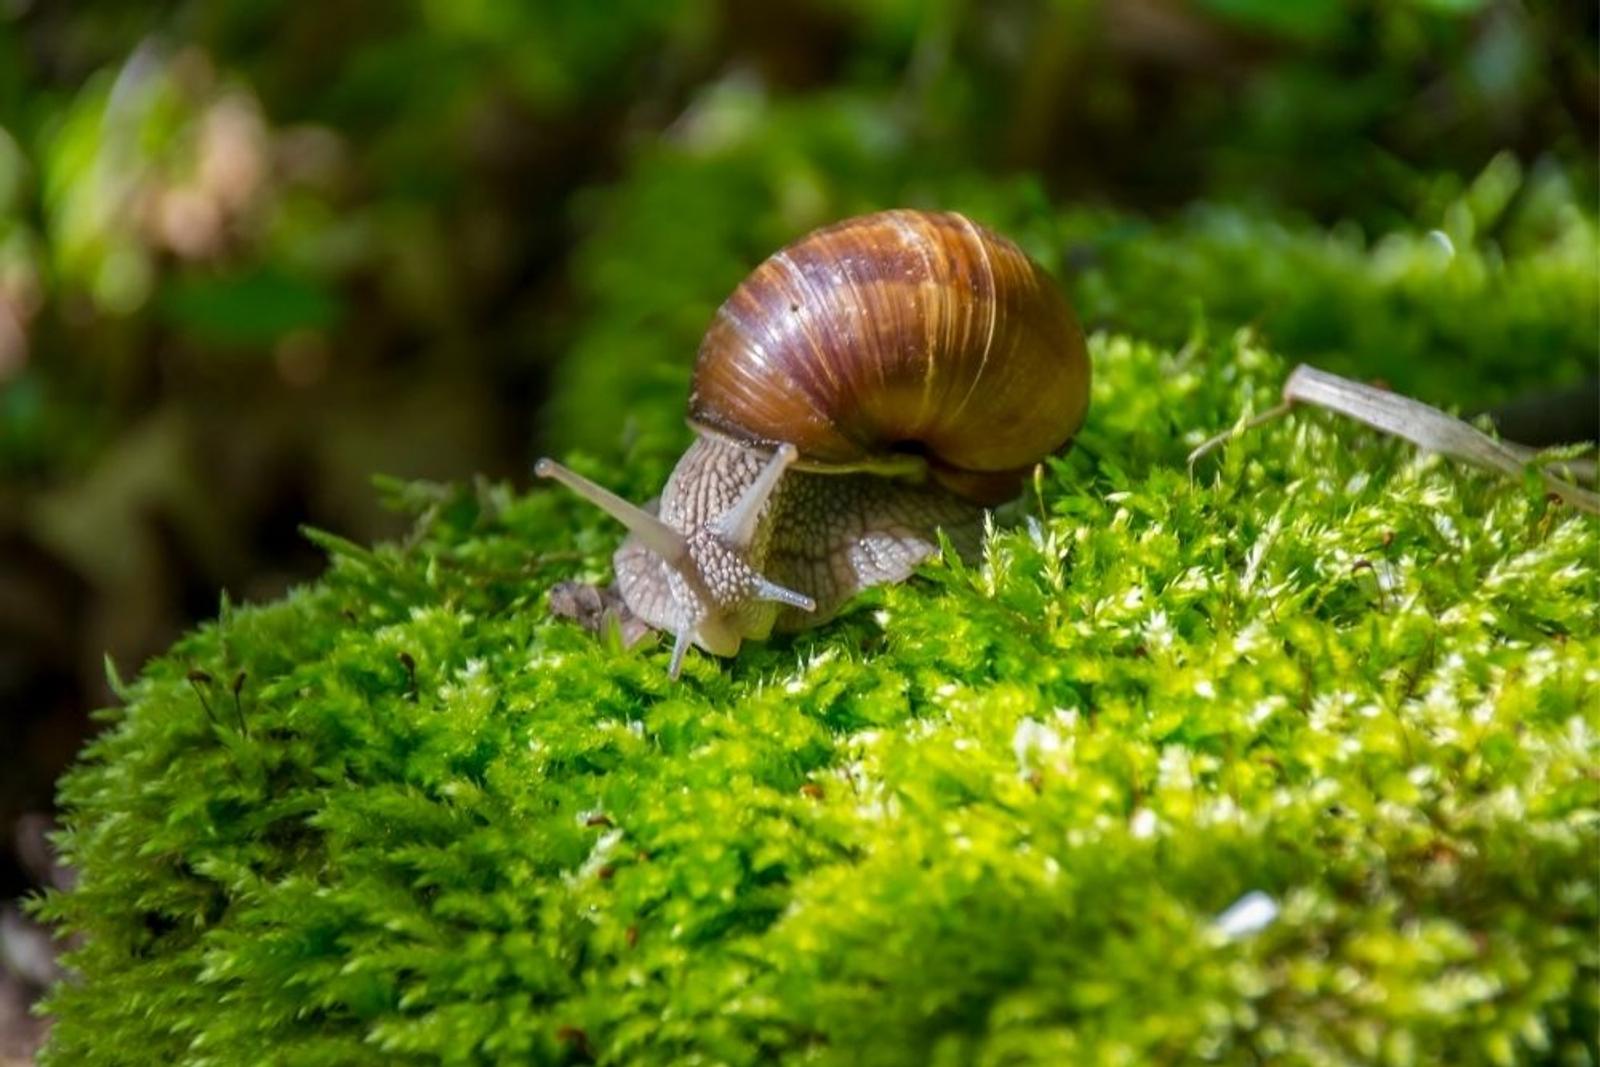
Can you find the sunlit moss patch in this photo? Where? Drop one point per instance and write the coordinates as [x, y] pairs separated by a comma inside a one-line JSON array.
[[1288, 759]]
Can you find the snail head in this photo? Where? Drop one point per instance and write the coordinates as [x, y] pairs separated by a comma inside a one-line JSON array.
[[718, 596]]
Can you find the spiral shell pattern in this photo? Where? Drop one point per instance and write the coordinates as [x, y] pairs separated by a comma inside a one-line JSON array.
[[901, 331]]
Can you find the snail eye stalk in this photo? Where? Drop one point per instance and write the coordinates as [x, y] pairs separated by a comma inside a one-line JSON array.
[[657, 536], [737, 526]]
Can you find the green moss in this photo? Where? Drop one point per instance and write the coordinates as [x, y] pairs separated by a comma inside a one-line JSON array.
[[1499, 293], [989, 816]]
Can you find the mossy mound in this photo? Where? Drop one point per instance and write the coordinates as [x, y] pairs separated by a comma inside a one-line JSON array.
[[998, 815]]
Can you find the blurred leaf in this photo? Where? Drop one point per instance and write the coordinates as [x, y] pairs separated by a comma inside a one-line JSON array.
[[253, 308], [1309, 20]]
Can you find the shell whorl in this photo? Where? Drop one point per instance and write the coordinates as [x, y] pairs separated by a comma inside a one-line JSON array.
[[899, 331]]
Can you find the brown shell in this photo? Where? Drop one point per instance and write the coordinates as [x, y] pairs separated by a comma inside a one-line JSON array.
[[901, 331]]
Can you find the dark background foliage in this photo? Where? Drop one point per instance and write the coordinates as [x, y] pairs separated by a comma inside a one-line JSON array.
[[252, 252]]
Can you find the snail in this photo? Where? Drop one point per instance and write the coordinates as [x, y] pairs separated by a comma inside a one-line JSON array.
[[872, 383]]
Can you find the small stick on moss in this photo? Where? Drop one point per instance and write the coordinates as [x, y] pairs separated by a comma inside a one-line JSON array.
[[1422, 425]]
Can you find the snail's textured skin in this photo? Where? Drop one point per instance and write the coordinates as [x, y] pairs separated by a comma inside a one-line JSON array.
[[835, 535], [828, 535], [902, 330]]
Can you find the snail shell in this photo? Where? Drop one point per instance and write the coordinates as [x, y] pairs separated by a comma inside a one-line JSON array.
[[901, 332]]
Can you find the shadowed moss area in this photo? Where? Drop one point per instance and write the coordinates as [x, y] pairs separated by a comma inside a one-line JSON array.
[[997, 815]]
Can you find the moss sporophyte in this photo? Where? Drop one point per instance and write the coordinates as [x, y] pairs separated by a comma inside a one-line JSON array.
[[1292, 758]]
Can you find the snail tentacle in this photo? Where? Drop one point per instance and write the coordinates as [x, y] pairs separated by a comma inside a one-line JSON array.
[[680, 645], [773, 593], [661, 539], [738, 524]]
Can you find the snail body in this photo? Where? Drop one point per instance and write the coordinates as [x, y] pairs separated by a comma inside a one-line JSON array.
[[872, 383]]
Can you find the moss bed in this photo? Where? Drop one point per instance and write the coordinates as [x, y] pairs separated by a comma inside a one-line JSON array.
[[1292, 760]]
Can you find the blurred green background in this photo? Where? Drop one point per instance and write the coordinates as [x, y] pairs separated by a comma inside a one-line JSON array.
[[253, 252]]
